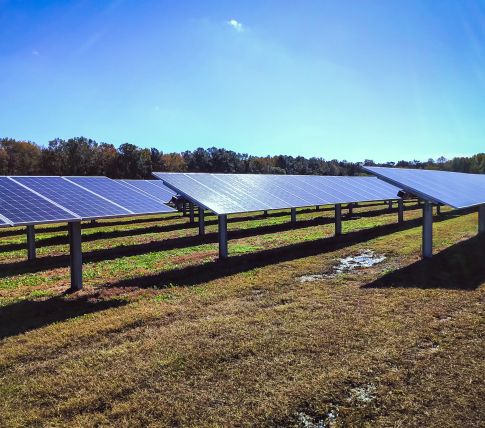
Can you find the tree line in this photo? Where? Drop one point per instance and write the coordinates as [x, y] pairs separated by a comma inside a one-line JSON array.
[[84, 156]]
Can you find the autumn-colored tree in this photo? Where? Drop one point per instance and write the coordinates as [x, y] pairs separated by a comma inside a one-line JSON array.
[[173, 162], [20, 157], [84, 156]]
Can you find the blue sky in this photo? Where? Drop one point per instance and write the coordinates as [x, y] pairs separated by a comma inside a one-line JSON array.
[[382, 80]]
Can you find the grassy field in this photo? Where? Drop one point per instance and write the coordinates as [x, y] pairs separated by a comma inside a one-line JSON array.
[[164, 334]]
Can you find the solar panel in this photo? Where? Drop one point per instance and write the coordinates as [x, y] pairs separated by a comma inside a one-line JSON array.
[[456, 189], [154, 188], [4, 222], [130, 199], [350, 189], [233, 193], [76, 199], [21, 206]]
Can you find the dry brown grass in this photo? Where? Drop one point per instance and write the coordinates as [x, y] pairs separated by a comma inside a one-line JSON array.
[[174, 338]]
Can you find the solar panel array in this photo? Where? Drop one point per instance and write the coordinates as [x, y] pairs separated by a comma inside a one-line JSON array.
[[36, 200], [20, 205], [154, 188], [131, 199], [459, 190], [76, 199], [234, 193]]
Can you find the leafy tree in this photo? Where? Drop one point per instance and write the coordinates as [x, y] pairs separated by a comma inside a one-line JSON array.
[[84, 156]]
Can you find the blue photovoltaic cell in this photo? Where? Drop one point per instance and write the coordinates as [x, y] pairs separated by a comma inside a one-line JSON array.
[[76, 199], [232, 193], [22, 206], [201, 194], [350, 189], [154, 188], [456, 189], [130, 199]]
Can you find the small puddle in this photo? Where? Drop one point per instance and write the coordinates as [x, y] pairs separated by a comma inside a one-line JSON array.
[[363, 394], [364, 259], [307, 421]]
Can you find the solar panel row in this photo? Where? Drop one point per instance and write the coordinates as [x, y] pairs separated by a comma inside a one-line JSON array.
[[35, 200], [153, 188], [459, 190], [85, 204], [22, 206], [234, 193], [130, 199]]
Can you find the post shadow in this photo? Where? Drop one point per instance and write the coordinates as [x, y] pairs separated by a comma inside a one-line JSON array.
[[459, 267], [198, 274], [23, 316]]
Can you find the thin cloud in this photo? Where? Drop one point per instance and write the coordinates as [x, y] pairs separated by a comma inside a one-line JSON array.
[[236, 25], [35, 52]]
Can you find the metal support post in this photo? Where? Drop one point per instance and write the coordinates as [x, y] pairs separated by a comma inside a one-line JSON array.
[[389, 206], [427, 230], [317, 208], [265, 213], [76, 255], [191, 212], [400, 211], [338, 219], [223, 253], [31, 243], [184, 209], [351, 209], [438, 209], [201, 221], [481, 218], [293, 215]]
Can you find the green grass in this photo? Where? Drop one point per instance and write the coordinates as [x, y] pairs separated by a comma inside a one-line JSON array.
[[164, 334]]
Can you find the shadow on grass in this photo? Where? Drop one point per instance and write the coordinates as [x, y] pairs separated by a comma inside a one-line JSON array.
[[63, 240], [459, 267], [194, 275], [50, 262], [23, 316]]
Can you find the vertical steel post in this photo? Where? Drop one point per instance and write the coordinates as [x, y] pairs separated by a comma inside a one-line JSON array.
[[317, 208], [400, 211], [481, 218], [184, 209], [427, 230], [351, 209], [31, 243], [338, 219], [438, 209], [389, 206], [223, 253], [201, 221], [293, 215], [265, 213], [76, 255], [191, 212]]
